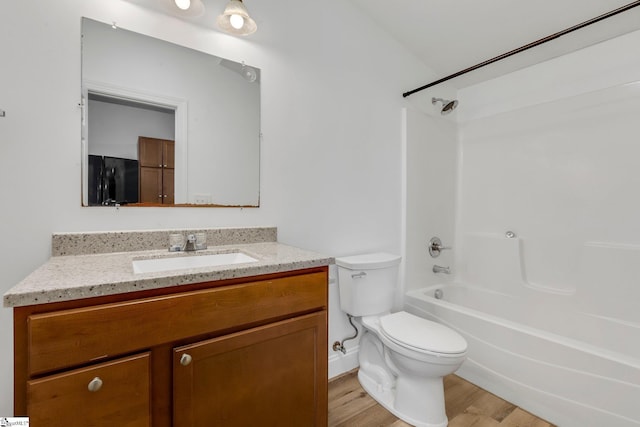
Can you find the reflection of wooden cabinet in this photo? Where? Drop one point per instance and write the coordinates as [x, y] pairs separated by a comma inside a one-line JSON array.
[[257, 354], [156, 158]]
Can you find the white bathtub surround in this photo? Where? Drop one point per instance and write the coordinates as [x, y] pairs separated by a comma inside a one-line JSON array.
[[517, 352], [617, 266], [604, 288], [550, 153], [562, 175]]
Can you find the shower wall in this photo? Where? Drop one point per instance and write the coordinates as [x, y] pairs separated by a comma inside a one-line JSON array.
[[551, 153], [430, 165]]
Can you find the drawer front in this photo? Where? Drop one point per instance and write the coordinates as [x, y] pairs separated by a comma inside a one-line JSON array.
[[67, 338], [116, 393]]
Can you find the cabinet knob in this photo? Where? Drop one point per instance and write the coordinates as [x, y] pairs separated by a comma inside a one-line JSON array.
[[95, 384], [185, 359]]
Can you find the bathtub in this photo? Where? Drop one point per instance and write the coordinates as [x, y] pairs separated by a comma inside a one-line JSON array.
[[571, 367]]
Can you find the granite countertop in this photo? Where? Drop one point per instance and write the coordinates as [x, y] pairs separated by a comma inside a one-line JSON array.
[[71, 277]]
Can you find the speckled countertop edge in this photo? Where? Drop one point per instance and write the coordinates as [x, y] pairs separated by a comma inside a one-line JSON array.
[[72, 277]]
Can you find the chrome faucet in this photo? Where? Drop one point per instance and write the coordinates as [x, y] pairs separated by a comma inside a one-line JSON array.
[[190, 245], [194, 242], [440, 269]]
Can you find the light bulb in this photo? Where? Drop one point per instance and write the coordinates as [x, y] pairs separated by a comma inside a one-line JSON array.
[[236, 21], [183, 4]]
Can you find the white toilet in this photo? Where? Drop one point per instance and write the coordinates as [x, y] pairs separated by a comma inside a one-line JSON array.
[[403, 357]]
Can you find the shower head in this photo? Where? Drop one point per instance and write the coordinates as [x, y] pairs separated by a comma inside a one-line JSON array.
[[447, 106]]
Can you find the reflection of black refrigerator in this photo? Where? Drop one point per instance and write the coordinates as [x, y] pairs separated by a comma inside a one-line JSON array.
[[112, 180]]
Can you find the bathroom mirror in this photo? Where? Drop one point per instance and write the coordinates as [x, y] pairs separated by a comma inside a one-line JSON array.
[[166, 125]]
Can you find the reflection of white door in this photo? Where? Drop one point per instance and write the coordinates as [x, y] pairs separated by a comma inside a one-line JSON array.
[[131, 97]]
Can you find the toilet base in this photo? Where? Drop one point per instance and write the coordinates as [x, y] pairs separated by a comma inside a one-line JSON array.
[[386, 397]]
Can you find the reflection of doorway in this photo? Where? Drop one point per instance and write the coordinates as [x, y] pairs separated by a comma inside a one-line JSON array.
[[157, 165], [119, 136]]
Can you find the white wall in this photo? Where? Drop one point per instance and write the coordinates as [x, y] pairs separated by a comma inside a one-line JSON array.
[[331, 119], [114, 129]]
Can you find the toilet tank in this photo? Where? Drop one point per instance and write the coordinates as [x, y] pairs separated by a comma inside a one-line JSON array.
[[367, 283]]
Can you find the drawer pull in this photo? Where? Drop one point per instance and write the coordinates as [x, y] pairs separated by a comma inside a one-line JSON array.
[[185, 359], [95, 384]]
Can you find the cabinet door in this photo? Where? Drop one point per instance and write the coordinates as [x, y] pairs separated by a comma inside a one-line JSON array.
[[168, 192], [151, 185], [168, 154], [150, 152], [157, 161], [115, 393], [273, 375]]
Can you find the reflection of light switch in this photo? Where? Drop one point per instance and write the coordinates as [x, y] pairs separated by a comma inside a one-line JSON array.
[[2, 113], [202, 199]]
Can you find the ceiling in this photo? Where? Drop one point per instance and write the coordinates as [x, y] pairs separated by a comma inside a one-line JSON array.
[[452, 35]]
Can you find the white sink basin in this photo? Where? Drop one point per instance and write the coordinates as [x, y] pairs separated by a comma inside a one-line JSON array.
[[193, 261]]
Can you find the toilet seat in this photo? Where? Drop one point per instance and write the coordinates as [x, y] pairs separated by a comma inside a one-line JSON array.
[[422, 335]]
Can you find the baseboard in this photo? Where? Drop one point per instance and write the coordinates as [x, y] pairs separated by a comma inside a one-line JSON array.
[[340, 363]]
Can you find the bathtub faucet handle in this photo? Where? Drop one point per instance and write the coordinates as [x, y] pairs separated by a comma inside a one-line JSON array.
[[435, 247]]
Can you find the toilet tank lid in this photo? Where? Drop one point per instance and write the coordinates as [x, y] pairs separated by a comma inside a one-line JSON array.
[[370, 261]]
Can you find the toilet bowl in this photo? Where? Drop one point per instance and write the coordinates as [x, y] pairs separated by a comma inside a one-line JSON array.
[[402, 357]]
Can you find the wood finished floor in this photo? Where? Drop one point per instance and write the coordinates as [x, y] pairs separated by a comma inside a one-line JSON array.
[[467, 406]]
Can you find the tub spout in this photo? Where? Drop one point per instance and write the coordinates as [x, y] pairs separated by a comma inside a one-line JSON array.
[[440, 269]]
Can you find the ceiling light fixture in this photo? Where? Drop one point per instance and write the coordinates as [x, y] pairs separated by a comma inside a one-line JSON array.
[[236, 20], [183, 4], [184, 8]]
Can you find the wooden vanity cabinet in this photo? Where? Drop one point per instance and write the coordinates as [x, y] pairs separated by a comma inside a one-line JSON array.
[[238, 352]]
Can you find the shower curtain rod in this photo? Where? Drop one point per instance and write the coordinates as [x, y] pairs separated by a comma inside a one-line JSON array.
[[528, 46]]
